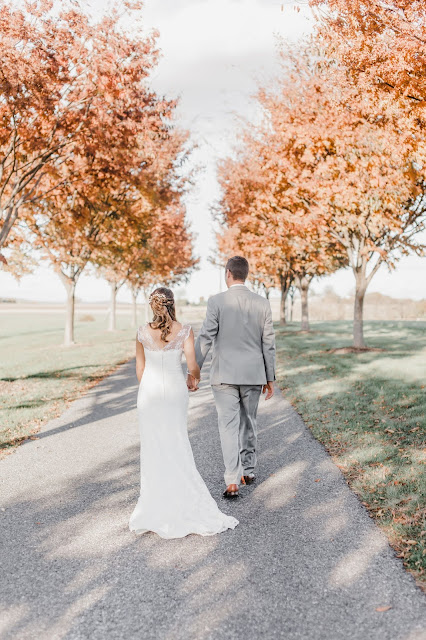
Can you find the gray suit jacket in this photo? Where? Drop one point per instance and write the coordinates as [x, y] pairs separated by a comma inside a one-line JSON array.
[[239, 326]]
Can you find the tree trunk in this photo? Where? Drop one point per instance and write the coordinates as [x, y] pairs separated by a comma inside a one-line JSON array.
[[134, 307], [291, 305], [9, 216], [305, 311], [112, 306], [69, 284], [285, 287], [303, 283], [358, 328], [283, 319]]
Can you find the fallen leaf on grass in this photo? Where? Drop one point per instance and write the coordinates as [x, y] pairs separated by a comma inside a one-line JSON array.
[[384, 608]]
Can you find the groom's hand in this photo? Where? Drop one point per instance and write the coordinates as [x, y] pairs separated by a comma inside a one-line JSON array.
[[268, 388]]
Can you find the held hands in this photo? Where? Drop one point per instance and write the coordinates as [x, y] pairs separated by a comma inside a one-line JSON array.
[[268, 388], [192, 383]]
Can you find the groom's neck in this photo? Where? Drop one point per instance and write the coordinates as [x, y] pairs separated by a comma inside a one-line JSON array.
[[232, 282]]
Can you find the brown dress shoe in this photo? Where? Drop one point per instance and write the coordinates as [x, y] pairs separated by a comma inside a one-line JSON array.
[[231, 492]]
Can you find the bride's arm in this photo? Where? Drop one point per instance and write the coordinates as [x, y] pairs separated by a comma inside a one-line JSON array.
[[140, 360], [189, 351]]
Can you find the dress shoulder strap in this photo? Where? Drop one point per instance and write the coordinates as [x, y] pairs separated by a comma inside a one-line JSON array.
[[186, 330], [140, 333], [144, 336]]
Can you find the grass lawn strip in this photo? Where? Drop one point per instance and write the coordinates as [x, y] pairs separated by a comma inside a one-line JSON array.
[[369, 410], [39, 377]]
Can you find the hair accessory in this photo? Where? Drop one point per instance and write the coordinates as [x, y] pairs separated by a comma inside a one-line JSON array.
[[160, 297], [157, 296]]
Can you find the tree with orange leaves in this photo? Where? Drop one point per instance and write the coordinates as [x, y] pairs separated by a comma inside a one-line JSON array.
[[361, 169], [65, 79], [281, 261], [106, 224], [91, 216], [264, 205], [231, 241], [127, 153], [171, 258], [328, 178], [242, 183], [152, 241], [67, 229], [160, 253], [268, 266], [381, 44]]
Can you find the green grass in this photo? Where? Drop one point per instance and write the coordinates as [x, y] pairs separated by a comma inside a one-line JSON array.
[[369, 410], [39, 376]]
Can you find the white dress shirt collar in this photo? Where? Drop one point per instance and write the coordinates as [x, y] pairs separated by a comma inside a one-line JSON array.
[[239, 284]]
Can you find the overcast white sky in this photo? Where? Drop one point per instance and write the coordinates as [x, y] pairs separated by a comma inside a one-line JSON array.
[[214, 52]]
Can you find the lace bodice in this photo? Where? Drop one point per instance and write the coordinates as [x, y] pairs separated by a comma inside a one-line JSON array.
[[176, 344]]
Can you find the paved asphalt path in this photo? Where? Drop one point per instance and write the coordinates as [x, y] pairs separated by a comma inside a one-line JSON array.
[[306, 561]]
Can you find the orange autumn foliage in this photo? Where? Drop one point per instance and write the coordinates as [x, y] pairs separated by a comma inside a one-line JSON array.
[[327, 179], [107, 194], [68, 83], [265, 203], [382, 44]]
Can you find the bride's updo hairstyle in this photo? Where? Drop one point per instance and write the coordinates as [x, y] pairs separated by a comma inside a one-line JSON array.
[[163, 307]]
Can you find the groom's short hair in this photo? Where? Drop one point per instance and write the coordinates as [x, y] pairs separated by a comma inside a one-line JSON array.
[[239, 267]]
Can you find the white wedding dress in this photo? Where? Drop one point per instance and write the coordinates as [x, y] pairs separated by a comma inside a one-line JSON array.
[[174, 500]]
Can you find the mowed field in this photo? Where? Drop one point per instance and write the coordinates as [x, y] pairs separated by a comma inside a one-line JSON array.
[[369, 410], [39, 376]]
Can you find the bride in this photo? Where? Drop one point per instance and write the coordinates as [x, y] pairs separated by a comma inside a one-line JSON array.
[[173, 501]]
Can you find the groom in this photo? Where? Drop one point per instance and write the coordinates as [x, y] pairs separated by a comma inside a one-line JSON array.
[[239, 326]]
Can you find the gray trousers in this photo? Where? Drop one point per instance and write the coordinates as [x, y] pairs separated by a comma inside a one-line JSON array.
[[237, 410]]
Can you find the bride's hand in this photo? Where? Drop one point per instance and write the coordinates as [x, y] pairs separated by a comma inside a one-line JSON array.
[[192, 383], [195, 382]]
